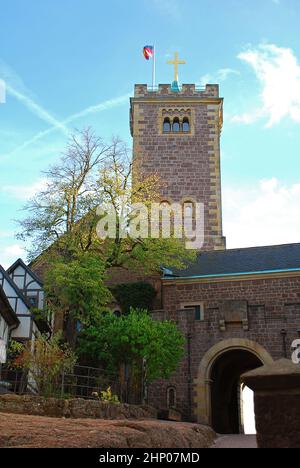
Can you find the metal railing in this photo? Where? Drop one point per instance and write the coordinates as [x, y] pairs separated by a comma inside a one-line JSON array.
[[83, 382]]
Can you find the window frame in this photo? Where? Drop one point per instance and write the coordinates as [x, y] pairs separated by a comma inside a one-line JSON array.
[[193, 305], [176, 121], [167, 120], [184, 121]]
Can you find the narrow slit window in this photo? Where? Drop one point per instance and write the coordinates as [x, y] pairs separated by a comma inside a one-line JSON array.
[[167, 126], [186, 125], [176, 125], [198, 312]]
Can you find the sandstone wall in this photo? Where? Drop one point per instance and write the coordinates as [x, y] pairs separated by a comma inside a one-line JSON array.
[[76, 408], [272, 304]]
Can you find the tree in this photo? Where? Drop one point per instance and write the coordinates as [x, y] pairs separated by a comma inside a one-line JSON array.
[[63, 217], [132, 340], [67, 199], [63, 220], [76, 290], [46, 360], [122, 186]]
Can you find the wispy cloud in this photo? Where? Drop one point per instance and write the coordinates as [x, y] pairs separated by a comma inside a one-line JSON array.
[[5, 234], [278, 72], [100, 107], [24, 192], [15, 87], [36, 109], [220, 75], [2, 92], [169, 8]]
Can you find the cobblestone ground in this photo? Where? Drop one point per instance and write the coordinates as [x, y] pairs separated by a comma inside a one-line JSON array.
[[236, 441]]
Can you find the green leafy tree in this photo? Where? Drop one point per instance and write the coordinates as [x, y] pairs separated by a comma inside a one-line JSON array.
[[76, 290], [62, 218], [135, 339]]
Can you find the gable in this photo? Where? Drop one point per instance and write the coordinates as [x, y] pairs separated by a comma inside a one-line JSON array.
[[28, 283], [13, 294], [23, 276]]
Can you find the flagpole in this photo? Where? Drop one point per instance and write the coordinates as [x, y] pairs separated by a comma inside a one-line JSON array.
[[153, 68]]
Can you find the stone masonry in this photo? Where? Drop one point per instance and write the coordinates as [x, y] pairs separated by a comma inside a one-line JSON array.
[[188, 164], [272, 304]]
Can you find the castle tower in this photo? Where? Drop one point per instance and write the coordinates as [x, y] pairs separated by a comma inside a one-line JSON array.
[[176, 133]]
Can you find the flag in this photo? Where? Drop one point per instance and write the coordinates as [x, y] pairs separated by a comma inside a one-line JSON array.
[[148, 52]]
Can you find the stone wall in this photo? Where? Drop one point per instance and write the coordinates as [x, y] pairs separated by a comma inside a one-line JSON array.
[[76, 408], [187, 163], [272, 304], [277, 404]]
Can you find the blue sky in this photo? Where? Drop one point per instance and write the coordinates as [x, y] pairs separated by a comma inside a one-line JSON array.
[[72, 63]]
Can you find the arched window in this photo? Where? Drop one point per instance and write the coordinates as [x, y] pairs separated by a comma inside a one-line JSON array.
[[188, 209], [171, 397], [164, 204], [189, 218], [167, 125], [176, 125], [185, 125]]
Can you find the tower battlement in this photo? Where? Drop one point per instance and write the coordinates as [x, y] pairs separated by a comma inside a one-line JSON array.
[[186, 90]]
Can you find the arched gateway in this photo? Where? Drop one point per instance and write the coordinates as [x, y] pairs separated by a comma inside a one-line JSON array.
[[216, 386]]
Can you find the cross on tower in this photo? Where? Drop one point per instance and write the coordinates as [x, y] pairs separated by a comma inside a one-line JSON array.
[[176, 62]]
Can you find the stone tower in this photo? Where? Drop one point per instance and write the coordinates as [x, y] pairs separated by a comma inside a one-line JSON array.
[[176, 133]]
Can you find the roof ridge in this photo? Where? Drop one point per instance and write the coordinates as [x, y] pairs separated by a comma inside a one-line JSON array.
[[256, 247]]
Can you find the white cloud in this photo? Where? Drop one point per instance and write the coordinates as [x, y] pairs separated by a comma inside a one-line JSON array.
[[169, 8], [278, 72], [24, 192], [10, 253], [100, 107], [266, 214], [5, 233], [36, 109], [15, 87], [220, 75]]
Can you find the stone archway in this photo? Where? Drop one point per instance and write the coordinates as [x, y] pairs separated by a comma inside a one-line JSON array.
[[202, 384]]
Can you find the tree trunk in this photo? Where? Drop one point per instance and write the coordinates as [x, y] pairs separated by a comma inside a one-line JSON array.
[[70, 331]]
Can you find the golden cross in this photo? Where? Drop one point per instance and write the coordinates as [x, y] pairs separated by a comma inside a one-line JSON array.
[[176, 62]]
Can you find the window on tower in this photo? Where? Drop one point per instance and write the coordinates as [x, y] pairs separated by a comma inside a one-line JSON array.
[[167, 125], [185, 125], [178, 121], [176, 125]]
